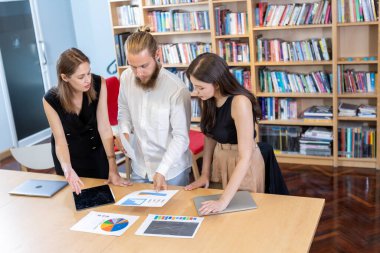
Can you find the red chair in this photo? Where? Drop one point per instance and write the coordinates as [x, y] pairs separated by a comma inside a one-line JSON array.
[[113, 86], [196, 148]]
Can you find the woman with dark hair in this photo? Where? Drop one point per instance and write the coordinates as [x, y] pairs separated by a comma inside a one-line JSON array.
[[82, 139], [229, 114]]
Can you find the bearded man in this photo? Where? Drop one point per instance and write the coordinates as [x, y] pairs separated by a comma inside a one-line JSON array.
[[154, 116]]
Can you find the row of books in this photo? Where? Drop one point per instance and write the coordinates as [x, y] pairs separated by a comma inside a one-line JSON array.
[[278, 108], [128, 15], [293, 14], [195, 108], [182, 53], [352, 110], [227, 22], [182, 75], [119, 47], [282, 81], [351, 81], [357, 11], [243, 76], [175, 21], [166, 2], [316, 141], [357, 142], [233, 51], [278, 50]]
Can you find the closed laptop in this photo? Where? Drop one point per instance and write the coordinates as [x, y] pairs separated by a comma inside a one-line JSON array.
[[241, 201], [39, 188]]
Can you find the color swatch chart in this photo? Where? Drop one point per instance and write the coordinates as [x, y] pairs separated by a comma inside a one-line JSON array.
[[105, 223], [147, 198], [177, 218], [170, 226]]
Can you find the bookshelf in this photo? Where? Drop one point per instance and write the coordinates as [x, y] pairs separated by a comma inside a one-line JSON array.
[[361, 54]]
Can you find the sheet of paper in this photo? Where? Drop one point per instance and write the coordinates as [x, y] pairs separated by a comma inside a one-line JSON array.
[[147, 198], [104, 223], [128, 148], [170, 226]]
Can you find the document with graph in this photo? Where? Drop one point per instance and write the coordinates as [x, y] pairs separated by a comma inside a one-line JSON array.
[[170, 226], [147, 198]]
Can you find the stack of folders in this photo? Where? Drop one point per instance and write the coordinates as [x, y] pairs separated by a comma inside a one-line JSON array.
[[318, 112], [347, 110], [367, 111], [316, 141]]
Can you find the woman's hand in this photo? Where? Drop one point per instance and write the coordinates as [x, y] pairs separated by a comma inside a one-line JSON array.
[[212, 206], [73, 179], [116, 179], [200, 182]]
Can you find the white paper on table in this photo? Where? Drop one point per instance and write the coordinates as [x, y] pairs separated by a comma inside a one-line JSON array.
[[147, 198], [170, 226], [105, 223], [128, 148]]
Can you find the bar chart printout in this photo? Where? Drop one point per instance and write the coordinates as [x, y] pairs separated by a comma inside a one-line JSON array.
[[147, 198]]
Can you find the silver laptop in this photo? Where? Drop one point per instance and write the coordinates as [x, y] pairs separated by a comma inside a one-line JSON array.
[[39, 188], [240, 202]]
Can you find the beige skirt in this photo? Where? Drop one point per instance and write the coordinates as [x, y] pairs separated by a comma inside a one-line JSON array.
[[226, 156]]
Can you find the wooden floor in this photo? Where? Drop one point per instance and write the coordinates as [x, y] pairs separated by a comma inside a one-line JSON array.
[[350, 221]]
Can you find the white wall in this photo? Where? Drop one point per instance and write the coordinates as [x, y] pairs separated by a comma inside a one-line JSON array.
[[93, 31]]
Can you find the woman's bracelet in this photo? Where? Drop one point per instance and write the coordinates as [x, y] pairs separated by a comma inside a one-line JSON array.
[[111, 156]]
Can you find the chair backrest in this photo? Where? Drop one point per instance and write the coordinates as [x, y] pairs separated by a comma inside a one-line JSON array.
[[113, 86], [196, 141], [37, 157], [274, 181]]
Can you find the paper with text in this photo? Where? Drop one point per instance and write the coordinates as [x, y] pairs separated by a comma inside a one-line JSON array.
[[147, 198], [128, 148]]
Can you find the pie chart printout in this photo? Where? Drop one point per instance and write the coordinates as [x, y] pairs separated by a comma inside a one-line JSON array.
[[115, 224]]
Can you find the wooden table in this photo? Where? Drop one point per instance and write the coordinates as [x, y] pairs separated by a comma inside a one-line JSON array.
[[32, 224]]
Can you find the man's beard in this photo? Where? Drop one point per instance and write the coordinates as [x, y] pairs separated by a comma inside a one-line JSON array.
[[151, 82]]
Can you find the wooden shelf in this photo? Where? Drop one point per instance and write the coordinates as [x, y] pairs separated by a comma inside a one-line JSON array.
[[179, 65], [195, 119], [297, 122], [269, 28], [168, 6], [180, 33], [118, 27], [357, 62], [239, 64], [297, 63], [294, 95], [357, 24], [231, 36], [119, 1], [357, 162], [357, 95], [227, 1], [356, 118], [305, 159]]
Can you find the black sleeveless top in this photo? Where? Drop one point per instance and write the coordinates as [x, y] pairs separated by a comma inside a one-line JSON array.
[[87, 154], [224, 130]]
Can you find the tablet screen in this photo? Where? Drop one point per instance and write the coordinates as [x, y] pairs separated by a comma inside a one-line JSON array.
[[95, 196]]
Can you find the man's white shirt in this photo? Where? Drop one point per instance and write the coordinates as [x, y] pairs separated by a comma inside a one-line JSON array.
[[159, 121]]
